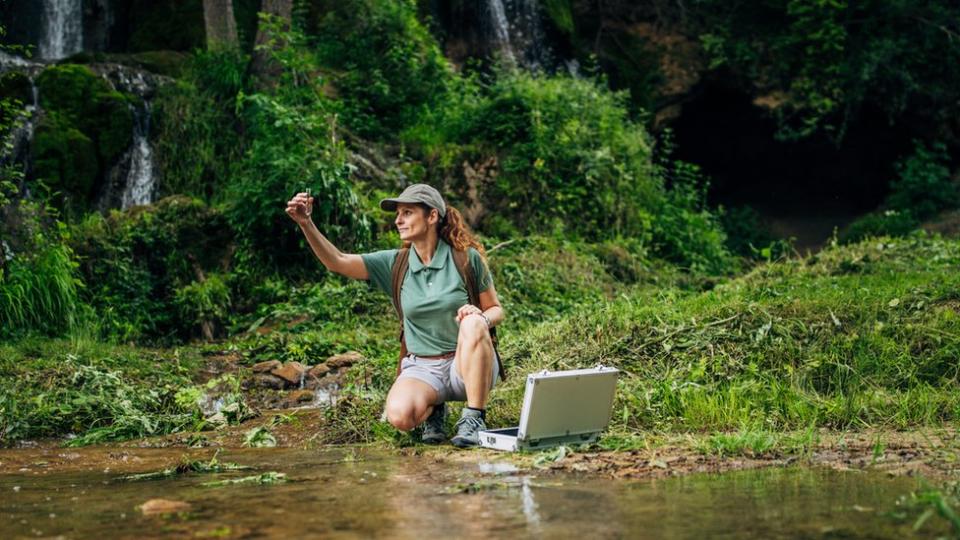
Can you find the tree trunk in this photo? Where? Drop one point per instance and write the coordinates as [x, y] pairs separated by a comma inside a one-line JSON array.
[[220, 24], [262, 67]]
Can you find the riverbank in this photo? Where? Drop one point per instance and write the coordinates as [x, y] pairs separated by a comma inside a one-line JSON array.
[[932, 453], [863, 336]]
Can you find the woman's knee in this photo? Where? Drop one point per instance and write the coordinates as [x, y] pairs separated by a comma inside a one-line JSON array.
[[473, 331], [401, 415]]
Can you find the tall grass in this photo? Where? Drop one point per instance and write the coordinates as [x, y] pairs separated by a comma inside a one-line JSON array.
[[38, 293]]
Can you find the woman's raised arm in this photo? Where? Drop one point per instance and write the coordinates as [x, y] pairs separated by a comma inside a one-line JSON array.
[[346, 264]]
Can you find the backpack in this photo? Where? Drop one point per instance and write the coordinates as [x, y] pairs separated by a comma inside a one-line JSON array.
[[462, 262]]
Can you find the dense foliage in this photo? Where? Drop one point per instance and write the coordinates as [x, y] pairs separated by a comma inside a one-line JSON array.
[[832, 59], [605, 246]]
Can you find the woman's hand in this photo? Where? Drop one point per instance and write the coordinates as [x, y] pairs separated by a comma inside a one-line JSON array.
[[466, 310], [297, 208]]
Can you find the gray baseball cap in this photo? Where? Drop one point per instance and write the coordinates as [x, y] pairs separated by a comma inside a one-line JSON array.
[[417, 193]]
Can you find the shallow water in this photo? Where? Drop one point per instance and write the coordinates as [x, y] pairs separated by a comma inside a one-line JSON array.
[[356, 492]]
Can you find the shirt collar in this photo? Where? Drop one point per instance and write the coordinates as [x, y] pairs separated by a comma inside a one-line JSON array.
[[436, 263]]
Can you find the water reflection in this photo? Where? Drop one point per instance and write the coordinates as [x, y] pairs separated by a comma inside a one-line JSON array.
[[352, 492]]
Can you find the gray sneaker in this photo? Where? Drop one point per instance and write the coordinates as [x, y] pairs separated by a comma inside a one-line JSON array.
[[433, 426], [469, 427]]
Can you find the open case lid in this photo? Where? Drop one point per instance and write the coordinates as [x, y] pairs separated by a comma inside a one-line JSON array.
[[561, 403]]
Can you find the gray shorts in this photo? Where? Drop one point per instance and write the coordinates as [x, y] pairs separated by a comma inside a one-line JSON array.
[[441, 375]]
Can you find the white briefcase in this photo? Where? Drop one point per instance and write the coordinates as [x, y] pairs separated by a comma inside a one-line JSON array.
[[559, 407]]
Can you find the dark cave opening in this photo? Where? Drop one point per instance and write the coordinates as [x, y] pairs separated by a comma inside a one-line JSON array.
[[801, 189]]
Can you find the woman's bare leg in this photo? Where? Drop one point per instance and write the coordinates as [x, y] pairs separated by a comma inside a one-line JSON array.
[[409, 403], [474, 361]]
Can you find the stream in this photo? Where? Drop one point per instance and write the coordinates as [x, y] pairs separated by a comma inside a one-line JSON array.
[[361, 492]]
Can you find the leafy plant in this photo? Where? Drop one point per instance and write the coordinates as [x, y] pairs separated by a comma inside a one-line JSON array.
[[387, 68], [923, 186], [292, 145]]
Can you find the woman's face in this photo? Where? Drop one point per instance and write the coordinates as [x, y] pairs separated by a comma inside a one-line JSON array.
[[413, 222]]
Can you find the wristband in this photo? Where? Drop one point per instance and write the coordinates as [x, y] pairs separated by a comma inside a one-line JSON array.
[[486, 319]]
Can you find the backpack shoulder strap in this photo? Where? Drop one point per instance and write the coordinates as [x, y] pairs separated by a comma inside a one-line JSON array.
[[466, 273], [400, 265]]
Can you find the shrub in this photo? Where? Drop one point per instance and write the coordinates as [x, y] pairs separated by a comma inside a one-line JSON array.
[[196, 129], [39, 285], [387, 66], [292, 145], [923, 185], [880, 223], [203, 304], [87, 101], [569, 158], [135, 261]]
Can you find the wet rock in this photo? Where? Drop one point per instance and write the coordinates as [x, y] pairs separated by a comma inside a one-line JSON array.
[[298, 397], [346, 359], [317, 372], [163, 506], [292, 372], [265, 380], [265, 367]]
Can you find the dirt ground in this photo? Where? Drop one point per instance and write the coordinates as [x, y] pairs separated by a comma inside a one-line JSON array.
[[931, 453]]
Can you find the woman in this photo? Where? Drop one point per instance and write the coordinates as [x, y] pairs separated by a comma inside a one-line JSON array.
[[451, 353]]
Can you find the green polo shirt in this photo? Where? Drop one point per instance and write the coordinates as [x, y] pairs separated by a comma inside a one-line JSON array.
[[430, 296]]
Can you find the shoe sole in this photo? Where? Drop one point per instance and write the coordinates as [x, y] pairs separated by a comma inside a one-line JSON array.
[[463, 443], [433, 440]]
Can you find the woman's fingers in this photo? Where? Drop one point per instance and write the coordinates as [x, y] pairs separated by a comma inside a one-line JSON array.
[[297, 206], [466, 309]]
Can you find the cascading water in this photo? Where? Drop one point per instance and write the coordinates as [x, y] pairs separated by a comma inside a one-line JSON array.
[[62, 33], [133, 178], [517, 30], [139, 185], [501, 30]]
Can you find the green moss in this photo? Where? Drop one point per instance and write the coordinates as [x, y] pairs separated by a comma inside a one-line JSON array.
[[64, 159], [87, 102], [110, 124], [169, 63]]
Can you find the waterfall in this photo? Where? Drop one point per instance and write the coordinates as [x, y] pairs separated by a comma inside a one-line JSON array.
[[62, 33], [19, 139], [501, 30], [132, 180], [138, 188], [517, 31]]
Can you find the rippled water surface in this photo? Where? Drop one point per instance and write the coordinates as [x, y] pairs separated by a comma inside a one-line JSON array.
[[355, 492]]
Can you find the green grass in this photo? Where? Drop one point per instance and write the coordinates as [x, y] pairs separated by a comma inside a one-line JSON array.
[[865, 335]]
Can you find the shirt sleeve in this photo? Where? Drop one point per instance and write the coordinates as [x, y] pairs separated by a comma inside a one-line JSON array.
[[481, 272], [380, 268]]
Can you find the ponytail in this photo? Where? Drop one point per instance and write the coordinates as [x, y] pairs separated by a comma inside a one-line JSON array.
[[455, 231]]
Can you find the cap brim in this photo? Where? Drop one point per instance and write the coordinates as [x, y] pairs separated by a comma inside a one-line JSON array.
[[391, 204]]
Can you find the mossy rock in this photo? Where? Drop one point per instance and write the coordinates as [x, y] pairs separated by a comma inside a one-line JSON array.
[[169, 63], [16, 85], [65, 159], [87, 102]]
